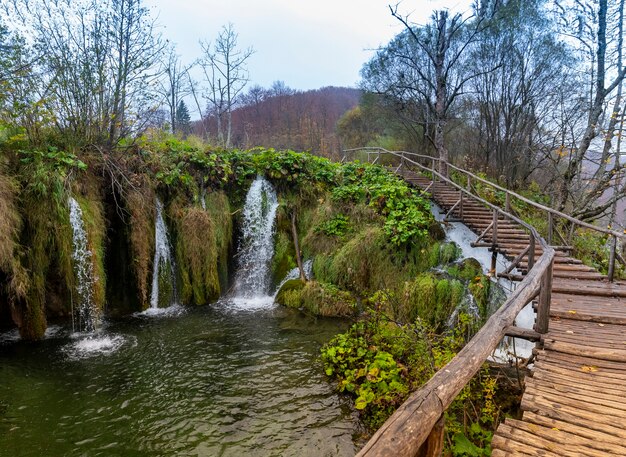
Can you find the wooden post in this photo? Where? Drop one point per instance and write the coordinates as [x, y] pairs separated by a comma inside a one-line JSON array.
[[461, 205], [543, 306], [494, 237], [433, 446], [433, 170], [550, 227], [507, 202], [469, 183], [611, 272], [531, 252]]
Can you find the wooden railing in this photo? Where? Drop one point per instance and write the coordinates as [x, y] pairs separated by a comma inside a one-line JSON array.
[[416, 428], [429, 164]]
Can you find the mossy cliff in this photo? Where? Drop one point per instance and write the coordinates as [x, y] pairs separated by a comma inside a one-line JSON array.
[[363, 229]]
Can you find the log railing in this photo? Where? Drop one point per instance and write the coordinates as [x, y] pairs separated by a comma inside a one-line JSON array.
[[416, 428], [429, 164]]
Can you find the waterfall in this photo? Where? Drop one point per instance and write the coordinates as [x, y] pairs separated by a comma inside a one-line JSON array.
[[257, 242], [88, 314], [163, 292]]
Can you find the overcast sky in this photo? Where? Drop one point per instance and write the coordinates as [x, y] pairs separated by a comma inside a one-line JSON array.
[[307, 44]]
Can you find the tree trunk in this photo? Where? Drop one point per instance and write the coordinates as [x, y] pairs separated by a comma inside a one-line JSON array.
[[296, 244]]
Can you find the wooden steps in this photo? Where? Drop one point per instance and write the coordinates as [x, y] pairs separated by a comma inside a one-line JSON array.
[[575, 402]]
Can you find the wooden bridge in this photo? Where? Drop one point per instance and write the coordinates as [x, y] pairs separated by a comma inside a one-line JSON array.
[[574, 403]]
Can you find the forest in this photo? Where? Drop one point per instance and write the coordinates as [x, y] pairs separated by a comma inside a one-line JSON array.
[[139, 192]]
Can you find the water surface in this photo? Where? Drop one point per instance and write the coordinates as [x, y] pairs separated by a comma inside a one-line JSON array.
[[213, 381]]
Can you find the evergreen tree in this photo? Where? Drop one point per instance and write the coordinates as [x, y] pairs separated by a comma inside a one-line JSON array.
[[183, 120]]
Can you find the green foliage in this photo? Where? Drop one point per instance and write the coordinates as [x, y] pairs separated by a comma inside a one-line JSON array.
[[379, 362], [339, 225]]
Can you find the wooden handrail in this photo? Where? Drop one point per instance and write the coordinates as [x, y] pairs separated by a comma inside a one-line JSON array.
[[409, 427], [613, 254], [500, 188], [414, 423]]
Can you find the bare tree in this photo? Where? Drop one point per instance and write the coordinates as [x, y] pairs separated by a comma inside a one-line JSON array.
[[174, 84], [96, 65], [606, 80], [226, 73], [438, 60]]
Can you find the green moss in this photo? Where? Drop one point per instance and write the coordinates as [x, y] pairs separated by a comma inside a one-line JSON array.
[[290, 293], [196, 254], [480, 287], [432, 299], [95, 226], [449, 252], [140, 205], [320, 299], [327, 300], [219, 210], [466, 269], [284, 256]]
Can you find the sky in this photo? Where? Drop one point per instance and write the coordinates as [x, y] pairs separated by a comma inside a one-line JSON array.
[[306, 44]]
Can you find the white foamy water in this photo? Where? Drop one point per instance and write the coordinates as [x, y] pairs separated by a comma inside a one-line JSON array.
[[463, 237], [88, 314], [174, 310], [162, 265], [92, 345], [256, 248]]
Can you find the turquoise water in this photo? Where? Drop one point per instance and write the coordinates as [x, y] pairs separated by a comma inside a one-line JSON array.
[[212, 381]]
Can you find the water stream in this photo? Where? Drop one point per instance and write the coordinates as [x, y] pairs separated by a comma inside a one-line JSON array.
[[463, 237], [163, 293], [256, 247], [88, 314]]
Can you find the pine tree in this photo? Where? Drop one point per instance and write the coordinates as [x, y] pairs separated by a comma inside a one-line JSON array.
[[183, 120]]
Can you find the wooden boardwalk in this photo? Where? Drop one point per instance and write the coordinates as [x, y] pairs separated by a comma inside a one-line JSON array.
[[574, 402]]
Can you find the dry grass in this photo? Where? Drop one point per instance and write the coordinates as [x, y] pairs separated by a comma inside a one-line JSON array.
[[140, 205]]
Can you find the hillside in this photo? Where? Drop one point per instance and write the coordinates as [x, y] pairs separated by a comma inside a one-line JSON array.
[[289, 119]]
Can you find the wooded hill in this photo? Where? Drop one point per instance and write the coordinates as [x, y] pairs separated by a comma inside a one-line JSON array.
[[288, 119]]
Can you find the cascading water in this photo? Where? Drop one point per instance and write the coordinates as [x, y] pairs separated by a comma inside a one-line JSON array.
[[88, 314], [256, 249], [163, 292]]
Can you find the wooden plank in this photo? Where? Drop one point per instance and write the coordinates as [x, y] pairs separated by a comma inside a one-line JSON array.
[[561, 437], [598, 440], [589, 396], [571, 410], [578, 361], [580, 349], [528, 439]]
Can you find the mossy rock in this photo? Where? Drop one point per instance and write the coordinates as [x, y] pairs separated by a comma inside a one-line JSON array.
[[436, 231], [430, 298], [290, 293], [323, 299], [449, 252], [283, 260], [318, 298], [466, 269]]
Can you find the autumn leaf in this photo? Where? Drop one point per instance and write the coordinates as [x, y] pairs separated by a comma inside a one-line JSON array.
[[571, 311], [589, 368]]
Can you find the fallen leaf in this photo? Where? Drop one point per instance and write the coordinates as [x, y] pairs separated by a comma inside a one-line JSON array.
[[601, 325], [556, 429], [569, 331], [571, 311], [589, 368]]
